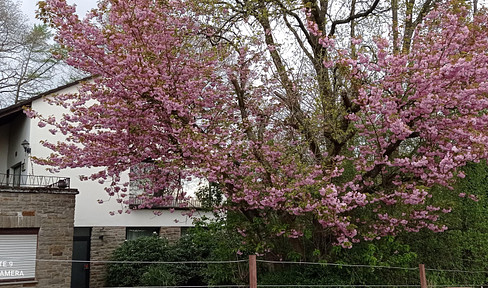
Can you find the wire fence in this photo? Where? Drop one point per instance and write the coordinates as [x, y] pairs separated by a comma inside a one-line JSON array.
[[411, 276]]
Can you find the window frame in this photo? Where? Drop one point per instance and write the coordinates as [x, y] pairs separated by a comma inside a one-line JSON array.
[[151, 229]]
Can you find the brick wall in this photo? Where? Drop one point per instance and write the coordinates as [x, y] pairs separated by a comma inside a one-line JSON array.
[[52, 211]]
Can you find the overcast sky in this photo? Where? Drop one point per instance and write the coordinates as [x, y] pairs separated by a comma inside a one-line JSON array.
[[29, 7]]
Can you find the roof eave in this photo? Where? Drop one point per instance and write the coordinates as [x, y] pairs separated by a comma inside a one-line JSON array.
[[12, 109]]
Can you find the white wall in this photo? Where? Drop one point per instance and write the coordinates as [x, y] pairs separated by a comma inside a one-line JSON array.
[[87, 210]]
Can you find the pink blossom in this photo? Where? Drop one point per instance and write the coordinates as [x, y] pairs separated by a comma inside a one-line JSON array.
[[400, 123]]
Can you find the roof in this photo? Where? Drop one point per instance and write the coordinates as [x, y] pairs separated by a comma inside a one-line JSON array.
[[12, 111]]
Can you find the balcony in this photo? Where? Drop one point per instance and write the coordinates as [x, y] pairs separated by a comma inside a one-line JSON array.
[[52, 182], [136, 200]]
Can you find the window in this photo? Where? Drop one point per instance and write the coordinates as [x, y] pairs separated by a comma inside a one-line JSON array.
[[133, 233], [18, 251]]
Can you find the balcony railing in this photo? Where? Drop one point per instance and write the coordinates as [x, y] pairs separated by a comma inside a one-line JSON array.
[[135, 202], [10, 180]]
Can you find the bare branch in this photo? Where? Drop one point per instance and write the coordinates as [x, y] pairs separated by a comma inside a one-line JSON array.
[[352, 17]]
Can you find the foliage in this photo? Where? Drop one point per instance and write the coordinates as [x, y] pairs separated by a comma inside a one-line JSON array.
[[154, 249], [210, 196], [464, 245], [161, 275], [25, 56], [216, 243], [143, 249], [461, 248], [211, 242], [331, 135], [217, 240]]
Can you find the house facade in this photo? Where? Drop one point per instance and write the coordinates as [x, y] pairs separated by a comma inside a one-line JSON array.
[[96, 233]]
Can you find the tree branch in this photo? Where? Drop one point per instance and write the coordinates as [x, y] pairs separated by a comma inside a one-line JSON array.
[[352, 17]]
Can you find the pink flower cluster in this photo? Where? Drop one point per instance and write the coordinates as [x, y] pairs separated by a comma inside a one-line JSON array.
[[169, 105]]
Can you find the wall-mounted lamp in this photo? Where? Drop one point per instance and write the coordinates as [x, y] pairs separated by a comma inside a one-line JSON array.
[[26, 146]]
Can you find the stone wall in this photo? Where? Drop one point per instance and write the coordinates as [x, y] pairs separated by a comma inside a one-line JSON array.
[[104, 240], [170, 233], [52, 212]]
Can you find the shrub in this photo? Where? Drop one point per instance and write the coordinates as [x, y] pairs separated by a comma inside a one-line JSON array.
[[148, 249], [161, 275]]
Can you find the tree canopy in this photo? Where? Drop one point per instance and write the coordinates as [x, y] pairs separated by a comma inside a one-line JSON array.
[[25, 56], [325, 119]]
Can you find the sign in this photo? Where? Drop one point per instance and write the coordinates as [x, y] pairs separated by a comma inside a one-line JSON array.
[[18, 256], [7, 269]]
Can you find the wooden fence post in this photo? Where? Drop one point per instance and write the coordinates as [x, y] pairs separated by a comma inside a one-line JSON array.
[[423, 279], [253, 276]]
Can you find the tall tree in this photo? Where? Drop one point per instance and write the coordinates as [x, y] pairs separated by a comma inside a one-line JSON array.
[[25, 56], [312, 122]]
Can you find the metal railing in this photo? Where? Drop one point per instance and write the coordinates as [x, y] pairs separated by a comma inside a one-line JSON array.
[[12, 180], [135, 201]]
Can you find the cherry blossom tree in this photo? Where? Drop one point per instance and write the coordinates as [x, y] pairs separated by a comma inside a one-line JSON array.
[[312, 123]]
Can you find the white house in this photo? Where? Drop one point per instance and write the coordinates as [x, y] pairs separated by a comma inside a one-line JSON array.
[[96, 232]]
